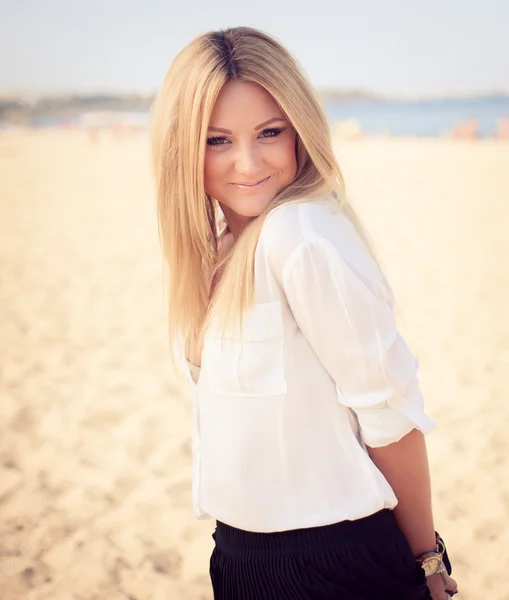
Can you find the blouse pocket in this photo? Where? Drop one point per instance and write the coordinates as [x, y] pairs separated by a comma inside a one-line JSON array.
[[249, 363]]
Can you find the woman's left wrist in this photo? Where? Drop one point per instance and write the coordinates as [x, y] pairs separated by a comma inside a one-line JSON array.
[[433, 544], [422, 549], [431, 561]]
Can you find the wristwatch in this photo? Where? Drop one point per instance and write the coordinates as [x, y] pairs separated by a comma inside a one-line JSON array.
[[431, 562]]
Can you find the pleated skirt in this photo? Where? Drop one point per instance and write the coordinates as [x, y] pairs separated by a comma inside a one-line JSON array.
[[366, 559]]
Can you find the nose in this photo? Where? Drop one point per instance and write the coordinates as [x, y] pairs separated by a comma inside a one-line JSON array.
[[247, 161]]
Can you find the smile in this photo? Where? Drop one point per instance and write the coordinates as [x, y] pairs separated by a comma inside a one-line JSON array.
[[249, 187]]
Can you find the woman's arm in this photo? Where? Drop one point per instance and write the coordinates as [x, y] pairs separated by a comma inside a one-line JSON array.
[[405, 466]]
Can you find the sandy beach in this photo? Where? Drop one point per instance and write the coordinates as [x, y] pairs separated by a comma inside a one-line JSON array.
[[95, 460]]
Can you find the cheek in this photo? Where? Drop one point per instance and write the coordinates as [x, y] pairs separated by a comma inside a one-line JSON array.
[[284, 155], [214, 170]]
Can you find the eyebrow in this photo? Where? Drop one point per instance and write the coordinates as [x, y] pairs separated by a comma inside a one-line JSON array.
[[264, 124]]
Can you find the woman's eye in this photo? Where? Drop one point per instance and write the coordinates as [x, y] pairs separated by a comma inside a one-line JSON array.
[[265, 134], [216, 141], [271, 133]]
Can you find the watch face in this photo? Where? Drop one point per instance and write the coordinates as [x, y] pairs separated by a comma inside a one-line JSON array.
[[431, 565]]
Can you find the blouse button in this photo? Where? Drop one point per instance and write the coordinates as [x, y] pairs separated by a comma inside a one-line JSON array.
[[270, 330]]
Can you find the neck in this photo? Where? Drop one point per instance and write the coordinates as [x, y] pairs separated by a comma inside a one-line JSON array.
[[236, 223]]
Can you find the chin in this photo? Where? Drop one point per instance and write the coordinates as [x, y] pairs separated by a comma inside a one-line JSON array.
[[250, 210], [256, 211]]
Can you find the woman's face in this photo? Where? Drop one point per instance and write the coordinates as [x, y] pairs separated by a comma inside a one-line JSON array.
[[250, 154]]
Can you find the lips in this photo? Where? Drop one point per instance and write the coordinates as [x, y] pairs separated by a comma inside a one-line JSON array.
[[247, 186]]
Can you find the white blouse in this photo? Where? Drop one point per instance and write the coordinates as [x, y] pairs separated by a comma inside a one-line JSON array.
[[282, 416]]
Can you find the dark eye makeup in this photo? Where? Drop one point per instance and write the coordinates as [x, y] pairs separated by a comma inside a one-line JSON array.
[[270, 132], [217, 140]]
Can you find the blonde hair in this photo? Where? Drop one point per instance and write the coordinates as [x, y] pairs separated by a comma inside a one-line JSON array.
[[188, 218]]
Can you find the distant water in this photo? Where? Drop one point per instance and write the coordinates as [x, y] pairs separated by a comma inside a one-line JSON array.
[[420, 118], [428, 118]]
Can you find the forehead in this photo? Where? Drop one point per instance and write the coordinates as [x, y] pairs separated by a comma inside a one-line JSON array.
[[242, 104]]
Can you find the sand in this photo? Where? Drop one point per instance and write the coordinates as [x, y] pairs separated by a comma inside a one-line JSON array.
[[95, 463]]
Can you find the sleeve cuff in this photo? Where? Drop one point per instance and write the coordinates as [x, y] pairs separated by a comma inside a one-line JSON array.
[[384, 425]]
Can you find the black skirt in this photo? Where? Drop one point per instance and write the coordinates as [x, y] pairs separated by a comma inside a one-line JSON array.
[[367, 559]]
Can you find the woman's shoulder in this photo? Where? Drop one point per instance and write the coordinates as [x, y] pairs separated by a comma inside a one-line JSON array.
[[294, 226], [301, 216], [299, 236]]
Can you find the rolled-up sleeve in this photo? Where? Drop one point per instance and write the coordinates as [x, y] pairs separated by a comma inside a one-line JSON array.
[[346, 314]]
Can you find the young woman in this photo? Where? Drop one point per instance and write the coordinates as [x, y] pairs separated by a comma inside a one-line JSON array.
[[308, 420]]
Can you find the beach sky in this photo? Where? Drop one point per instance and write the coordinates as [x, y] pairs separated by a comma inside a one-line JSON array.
[[394, 47]]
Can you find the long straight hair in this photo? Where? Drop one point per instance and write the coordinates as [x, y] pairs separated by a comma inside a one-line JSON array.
[[187, 216]]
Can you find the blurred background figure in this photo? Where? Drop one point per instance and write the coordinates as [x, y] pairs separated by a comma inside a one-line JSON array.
[[95, 456], [503, 128], [466, 130]]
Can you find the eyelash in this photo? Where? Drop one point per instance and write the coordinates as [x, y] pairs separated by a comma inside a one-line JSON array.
[[220, 140]]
